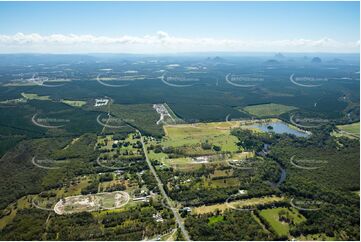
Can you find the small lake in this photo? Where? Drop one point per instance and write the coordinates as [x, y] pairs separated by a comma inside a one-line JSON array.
[[280, 128]]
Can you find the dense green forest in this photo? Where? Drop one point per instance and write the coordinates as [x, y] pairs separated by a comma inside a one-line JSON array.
[[231, 180]]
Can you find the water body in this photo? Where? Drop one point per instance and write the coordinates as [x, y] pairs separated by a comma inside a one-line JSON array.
[[280, 128]]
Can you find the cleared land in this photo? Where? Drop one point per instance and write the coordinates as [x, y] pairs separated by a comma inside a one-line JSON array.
[[74, 103], [92, 202], [188, 163], [34, 96], [112, 148], [199, 144], [217, 133], [349, 130], [215, 219], [267, 110], [14, 101], [276, 218], [240, 203]]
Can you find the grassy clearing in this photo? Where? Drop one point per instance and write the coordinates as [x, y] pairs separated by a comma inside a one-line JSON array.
[[74, 103], [221, 183], [157, 156], [215, 219], [13, 208], [267, 110], [14, 101], [273, 215], [34, 96], [188, 164], [217, 133], [352, 130], [122, 148], [240, 203]]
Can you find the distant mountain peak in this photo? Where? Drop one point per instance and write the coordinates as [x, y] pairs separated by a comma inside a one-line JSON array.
[[279, 55], [316, 60]]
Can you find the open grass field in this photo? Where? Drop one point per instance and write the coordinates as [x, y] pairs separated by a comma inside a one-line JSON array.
[[92, 202], [240, 203], [217, 133], [267, 110], [75, 188], [34, 96], [272, 216], [349, 130], [215, 219], [74, 103], [221, 183], [157, 156], [14, 101], [12, 209]]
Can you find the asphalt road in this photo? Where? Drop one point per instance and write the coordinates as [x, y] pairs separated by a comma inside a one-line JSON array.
[[164, 194]]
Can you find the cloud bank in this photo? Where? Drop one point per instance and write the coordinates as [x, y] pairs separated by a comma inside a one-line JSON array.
[[161, 42]]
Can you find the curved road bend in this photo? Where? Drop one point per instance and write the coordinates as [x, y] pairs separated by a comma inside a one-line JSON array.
[[164, 194]]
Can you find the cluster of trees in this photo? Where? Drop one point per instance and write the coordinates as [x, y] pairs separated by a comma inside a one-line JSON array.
[[149, 179], [235, 226], [136, 145], [80, 226], [332, 184], [117, 187], [208, 146], [191, 194], [21, 177], [28, 224], [83, 149], [92, 188], [206, 196], [252, 141], [196, 192], [106, 177], [182, 151], [335, 220]]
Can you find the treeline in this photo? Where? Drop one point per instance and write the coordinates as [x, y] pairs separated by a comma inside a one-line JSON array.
[[332, 184], [28, 224], [235, 226]]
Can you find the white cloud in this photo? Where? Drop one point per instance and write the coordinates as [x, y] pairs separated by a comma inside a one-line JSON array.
[[161, 42]]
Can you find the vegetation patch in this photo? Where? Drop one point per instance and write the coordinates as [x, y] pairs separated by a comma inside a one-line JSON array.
[[348, 130], [209, 134], [280, 219], [268, 110], [74, 103], [215, 219], [237, 204], [34, 96]]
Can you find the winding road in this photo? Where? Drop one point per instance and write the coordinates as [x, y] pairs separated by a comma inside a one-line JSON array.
[[164, 194]]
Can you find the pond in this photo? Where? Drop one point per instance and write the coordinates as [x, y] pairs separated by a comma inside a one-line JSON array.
[[280, 128]]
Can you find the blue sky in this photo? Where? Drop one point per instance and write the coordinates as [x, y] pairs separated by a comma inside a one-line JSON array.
[[253, 26]]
